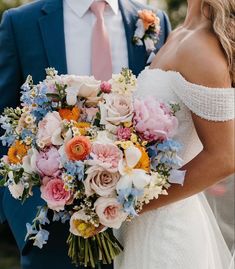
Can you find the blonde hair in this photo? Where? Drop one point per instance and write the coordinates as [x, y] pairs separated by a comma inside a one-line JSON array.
[[222, 15]]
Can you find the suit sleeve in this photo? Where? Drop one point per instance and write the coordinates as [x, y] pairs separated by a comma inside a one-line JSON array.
[[10, 78], [167, 25]]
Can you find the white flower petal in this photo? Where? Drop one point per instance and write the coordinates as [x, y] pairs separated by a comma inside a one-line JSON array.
[[132, 156], [124, 182], [56, 138], [140, 179]]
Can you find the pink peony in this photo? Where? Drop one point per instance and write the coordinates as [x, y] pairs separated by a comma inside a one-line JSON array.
[[49, 127], [48, 162], [123, 133], [100, 181], [105, 87], [110, 212], [53, 192], [153, 120], [106, 156]]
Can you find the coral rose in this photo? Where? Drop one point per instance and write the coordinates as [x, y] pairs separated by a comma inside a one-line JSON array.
[[148, 18], [78, 148], [54, 193]]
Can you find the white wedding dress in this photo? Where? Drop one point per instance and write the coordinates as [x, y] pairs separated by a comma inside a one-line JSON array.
[[183, 235]]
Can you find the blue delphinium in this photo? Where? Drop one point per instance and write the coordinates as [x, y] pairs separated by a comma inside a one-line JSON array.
[[41, 238], [128, 199], [62, 216], [42, 216], [31, 230], [75, 169], [166, 153], [9, 136]]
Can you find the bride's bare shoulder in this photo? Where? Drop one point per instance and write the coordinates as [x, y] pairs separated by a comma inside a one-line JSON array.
[[201, 60]]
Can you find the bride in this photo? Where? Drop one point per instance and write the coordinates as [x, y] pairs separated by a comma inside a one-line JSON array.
[[195, 68]]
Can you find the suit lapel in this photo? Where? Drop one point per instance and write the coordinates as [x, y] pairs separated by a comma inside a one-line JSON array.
[[52, 30], [137, 55]]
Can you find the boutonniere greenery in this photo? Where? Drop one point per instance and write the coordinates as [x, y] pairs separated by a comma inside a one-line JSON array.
[[147, 30]]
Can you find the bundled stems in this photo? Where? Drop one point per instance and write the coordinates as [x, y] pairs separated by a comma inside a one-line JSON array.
[[94, 251]]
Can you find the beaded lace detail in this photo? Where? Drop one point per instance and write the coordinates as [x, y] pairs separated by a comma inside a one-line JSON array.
[[216, 104]]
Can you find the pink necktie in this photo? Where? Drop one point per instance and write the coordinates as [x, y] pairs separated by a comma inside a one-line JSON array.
[[101, 51]]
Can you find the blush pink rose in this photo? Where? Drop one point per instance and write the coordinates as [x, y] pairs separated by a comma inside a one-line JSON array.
[[100, 181], [49, 127], [110, 212], [153, 120], [53, 192], [107, 156], [48, 162]]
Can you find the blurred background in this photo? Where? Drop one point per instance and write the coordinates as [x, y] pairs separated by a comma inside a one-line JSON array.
[[220, 197]]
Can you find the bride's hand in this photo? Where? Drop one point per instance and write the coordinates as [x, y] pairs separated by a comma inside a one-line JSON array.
[[98, 230]]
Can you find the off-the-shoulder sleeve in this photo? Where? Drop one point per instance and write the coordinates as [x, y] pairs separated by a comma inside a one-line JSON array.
[[215, 104]]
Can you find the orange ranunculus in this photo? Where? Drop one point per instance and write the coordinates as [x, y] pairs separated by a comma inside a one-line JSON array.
[[144, 162], [148, 17], [16, 152], [78, 148], [70, 114], [82, 126]]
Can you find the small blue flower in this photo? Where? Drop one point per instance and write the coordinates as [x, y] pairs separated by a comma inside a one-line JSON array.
[[30, 230], [41, 238], [62, 216], [7, 139], [169, 145], [42, 216], [75, 169], [128, 198]]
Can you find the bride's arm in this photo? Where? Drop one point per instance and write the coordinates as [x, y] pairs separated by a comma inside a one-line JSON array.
[[216, 161], [213, 164]]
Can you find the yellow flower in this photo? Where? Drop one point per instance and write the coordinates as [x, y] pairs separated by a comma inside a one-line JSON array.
[[16, 152], [128, 124], [85, 229], [83, 127], [134, 138], [144, 162], [124, 144]]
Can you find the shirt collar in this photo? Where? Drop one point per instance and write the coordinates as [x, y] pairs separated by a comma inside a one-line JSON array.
[[80, 7]]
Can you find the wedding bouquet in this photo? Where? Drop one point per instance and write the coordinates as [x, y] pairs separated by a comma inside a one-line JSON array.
[[97, 154]]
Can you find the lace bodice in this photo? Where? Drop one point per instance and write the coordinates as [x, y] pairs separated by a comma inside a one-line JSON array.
[[208, 103]]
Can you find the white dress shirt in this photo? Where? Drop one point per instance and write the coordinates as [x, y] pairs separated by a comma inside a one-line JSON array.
[[78, 27]]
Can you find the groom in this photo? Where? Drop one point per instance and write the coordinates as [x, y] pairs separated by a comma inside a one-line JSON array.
[[70, 36]]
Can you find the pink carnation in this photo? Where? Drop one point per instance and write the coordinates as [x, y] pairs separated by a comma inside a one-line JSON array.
[[53, 192], [153, 120], [123, 133], [105, 87], [48, 162], [107, 156]]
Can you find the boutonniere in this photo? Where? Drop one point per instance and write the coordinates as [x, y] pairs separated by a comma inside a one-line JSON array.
[[147, 30]]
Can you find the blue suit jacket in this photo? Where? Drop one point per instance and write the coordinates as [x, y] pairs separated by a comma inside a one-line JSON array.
[[32, 39]]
